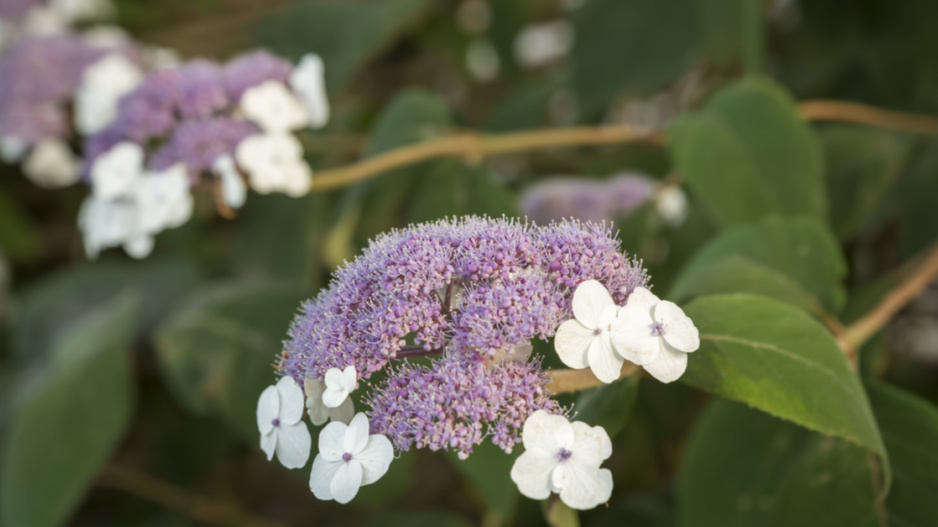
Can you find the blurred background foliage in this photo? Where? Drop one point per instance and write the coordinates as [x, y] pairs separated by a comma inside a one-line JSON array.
[[127, 389]]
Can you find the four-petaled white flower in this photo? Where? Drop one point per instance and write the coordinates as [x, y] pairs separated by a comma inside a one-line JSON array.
[[163, 199], [115, 172], [273, 107], [563, 457], [586, 340], [309, 83], [339, 384], [319, 413], [279, 419], [349, 458], [274, 163], [233, 189], [102, 86], [656, 331], [51, 164]]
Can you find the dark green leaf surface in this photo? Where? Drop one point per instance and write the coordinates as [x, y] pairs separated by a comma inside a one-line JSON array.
[[488, 469], [69, 419], [796, 261], [609, 406], [747, 155]]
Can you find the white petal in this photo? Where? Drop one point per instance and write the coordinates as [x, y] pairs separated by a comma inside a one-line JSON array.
[[332, 441], [321, 477], [631, 335], [308, 81], [591, 444], [273, 107], [139, 245], [343, 413], [291, 400], [669, 366], [269, 444], [558, 476], [591, 301], [572, 341], [356, 437], [546, 432], [51, 164], [375, 458], [333, 397], [605, 363], [679, 329], [268, 407], [531, 473], [349, 378], [293, 445], [233, 189], [313, 388], [346, 482], [642, 298], [336, 387], [584, 487], [115, 171]]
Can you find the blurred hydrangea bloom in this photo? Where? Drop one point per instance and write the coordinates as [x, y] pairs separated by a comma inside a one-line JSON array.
[[587, 200]]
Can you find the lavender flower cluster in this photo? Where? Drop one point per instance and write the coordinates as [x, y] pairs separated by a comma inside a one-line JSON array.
[[475, 291]]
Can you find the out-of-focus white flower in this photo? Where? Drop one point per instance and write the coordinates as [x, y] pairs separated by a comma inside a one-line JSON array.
[[81, 10], [280, 421], [339, 384], [482, 60], [658, 333], [43, 21], [309, 83], [274, 163], [108, 222], [272, 107], [539, 44], [586, 340], [11, 148], [155, 57], [671, 205], [319, 413], [563, 457], [163, 199], [102, 85], [349, 458], [114, 172], [51, 164], [108, 37], [233, 189]]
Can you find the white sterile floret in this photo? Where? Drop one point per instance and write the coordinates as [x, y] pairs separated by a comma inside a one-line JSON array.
[[42, 21], [563, 457], [115, 172], [106, 222], [102, 86], [319, 413], [51, 164], [349, 458], [339, 384], [657, 333], [11, 148], [233, 189], [671, 205], [308, 81], [273, 107], [585, 341], [280, 421], [274, 163], [163, 199], [539, 44], [81, 10]]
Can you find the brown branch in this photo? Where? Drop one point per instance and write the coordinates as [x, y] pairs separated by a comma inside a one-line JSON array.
[[566, 381], [906, 291], [851, 112], [201, 509]]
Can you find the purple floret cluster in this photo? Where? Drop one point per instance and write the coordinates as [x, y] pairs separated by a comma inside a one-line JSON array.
[[587, 200], [471, 290]]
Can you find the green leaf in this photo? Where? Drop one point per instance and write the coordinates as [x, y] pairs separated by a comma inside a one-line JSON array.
[[777, 359], [450, 188], [69, 420], [747, 155], [19, 236], [609, 406], [743, 467], [260, 248], [721, 27], [216, 353], [488, 469], [345, 34], [909, 426], [418, 519], [629, 46], [47, 308], [796, 261]]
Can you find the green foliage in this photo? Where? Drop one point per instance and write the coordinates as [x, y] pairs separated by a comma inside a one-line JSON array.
[[68, 419], [609, 406], [775, 358], [216, 353], [796, 261], [748, 155], [487, 471]]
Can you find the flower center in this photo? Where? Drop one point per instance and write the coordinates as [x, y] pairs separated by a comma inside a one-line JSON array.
[[657, 329], [598, 331], [346, 457], [564, 455], [275, 421]]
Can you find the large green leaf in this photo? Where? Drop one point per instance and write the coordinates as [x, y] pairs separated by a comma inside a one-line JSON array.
[[630, 45], [488, 470], [609, 406], [450, 188], [345, 34], [777, 359], [748, 155], [743, 467], [796, 261], [68, 419], [910, 430], [216, 354], [48, 307]]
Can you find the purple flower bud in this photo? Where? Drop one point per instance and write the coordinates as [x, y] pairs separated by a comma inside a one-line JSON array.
[[197, 144], [202, 89]]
